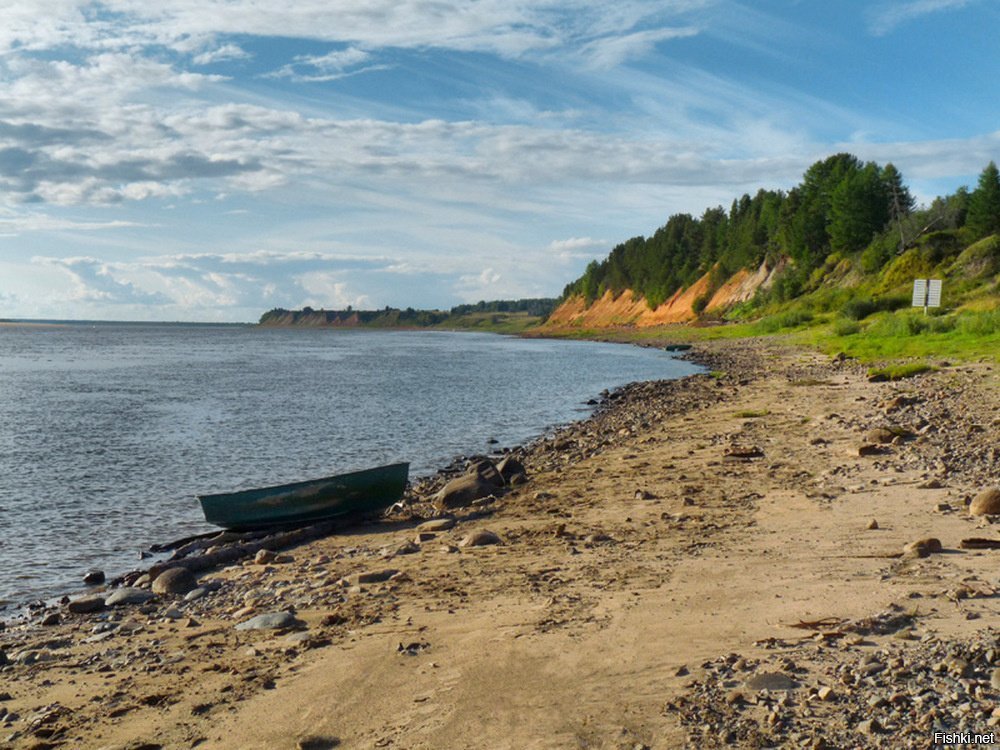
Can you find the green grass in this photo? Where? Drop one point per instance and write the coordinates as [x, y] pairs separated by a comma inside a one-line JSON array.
[[752, 414], [899, 371]]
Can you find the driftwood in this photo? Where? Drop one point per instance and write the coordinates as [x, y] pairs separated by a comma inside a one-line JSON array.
[[236, 546]]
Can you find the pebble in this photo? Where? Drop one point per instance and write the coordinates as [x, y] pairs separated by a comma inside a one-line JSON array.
[[771, 681], [94, 578], [479, 539], [128, 595], [270, 621], [437, 524]]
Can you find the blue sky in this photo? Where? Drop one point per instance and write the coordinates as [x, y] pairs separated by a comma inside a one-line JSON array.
[[212, 159]]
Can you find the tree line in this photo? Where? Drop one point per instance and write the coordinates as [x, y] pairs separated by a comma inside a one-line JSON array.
[[842, 206]]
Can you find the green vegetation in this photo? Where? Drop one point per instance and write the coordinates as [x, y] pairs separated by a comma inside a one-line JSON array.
[[843, 248], [752, 414], [498, 316], [899, 371]]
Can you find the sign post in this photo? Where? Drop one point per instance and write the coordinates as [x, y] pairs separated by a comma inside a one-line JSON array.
[[926, 293]]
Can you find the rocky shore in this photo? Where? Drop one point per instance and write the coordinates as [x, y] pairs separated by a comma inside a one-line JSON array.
[[775, 553]]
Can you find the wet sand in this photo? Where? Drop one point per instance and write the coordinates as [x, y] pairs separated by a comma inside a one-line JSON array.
[[697, 565]]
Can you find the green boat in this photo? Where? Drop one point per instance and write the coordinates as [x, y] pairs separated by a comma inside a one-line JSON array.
[[364, 491]]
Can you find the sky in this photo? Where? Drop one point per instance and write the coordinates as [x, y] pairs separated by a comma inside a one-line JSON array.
[[208, 160]]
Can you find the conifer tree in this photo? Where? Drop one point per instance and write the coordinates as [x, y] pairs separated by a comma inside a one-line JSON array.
[[983, 217]]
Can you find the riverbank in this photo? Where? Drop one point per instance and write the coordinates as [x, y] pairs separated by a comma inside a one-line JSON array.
[[693, 543]]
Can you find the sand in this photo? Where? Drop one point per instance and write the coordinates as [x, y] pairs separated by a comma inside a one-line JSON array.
[[688, 522]]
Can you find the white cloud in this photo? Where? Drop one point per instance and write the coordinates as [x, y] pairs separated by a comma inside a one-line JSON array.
[[224, 53], [886, 17]]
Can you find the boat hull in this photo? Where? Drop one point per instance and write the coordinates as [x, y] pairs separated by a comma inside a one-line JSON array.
[[364, 491]]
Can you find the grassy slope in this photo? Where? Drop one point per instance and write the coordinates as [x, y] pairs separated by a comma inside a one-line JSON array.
[[845, 310]]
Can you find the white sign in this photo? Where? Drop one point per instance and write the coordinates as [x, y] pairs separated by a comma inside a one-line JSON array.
[[927, 292]]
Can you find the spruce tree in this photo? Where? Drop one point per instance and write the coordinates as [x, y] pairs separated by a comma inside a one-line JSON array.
[[983, 217]]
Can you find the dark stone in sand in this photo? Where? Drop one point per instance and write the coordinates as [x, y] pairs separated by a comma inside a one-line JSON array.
[[178, 580], [923, 547], [510, 467], [486, 471], [479, 539], [463, 491], [52, 618]]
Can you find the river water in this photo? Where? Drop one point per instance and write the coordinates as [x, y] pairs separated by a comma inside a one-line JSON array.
[[109, 431]]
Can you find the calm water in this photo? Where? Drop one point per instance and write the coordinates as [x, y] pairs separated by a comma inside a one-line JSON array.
[[108, 432]]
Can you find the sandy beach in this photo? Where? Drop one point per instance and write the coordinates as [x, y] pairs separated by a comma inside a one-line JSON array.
[[725, 560]]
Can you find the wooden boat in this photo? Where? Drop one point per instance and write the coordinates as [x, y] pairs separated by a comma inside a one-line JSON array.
[[303, 502]]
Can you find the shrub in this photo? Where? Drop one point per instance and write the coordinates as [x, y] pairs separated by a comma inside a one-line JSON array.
[[846, 327]]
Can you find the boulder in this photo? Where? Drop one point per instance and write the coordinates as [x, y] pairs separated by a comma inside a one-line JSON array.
[[94, 577], [177, 580], [880, 436], [922, 547], [479, 539], [486, 471], [986, 503], [462, 491], [509, 468], [128, 595], [437, 524], [86, 604]]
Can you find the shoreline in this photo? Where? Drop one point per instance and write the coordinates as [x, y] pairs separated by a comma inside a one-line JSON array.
[[20, 612], [690, 519]]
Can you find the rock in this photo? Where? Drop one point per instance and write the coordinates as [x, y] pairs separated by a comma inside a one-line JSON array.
[[264, 556], [271, 621], [771, 681], [373, 576], [424, 536], [826, 693], [463, 491], [868, 726], [437, 524], [743, 452], [872, 525], [177, 580], [479, 539], [317, 742], [995, 679], [196, 593], [922, 547], [486, 471], [94, 578], [986, 503], [52, 618], [880, 435], [867, 449], [128, 595], [509, 468], [86, 604], [4, 661]]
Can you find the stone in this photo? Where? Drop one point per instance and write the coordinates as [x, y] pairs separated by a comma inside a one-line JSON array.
[[424, 536], [271, 621], [509, 468], [479, 539], [771, 681], [86, 604], [437, 524], [995, 679], [176, 580], [867, 449], [317, 742], [873, 525], [922, 547], [128, 595], [868, 726], [463, 491], [372, 576], [264, 556], [196, 593], [826, 693], [94, 577], [52, 618], [485, 470], [986, 503], [880, 435]]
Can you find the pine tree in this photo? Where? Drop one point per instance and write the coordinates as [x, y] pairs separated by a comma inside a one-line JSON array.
[[984, 203]]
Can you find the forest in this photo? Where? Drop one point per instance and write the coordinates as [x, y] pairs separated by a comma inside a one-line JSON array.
[[842, 208]]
